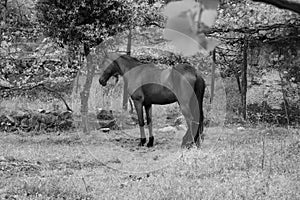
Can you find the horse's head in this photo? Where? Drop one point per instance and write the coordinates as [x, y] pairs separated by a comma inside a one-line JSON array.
[[111, 70], [120, 65]]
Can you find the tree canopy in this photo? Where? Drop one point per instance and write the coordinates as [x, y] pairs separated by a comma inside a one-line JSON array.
[[89, 22]]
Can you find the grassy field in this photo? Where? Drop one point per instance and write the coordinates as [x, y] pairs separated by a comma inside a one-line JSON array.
[[259, 163]]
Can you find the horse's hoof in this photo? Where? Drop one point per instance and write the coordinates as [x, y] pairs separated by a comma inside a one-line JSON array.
[[149, 145], [151, 142], [187, 145], [142, 142]]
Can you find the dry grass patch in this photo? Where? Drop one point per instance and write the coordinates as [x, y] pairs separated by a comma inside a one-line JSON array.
[[232, 164]]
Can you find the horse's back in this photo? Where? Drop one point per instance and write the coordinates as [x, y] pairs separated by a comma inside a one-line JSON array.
[[185, 68]]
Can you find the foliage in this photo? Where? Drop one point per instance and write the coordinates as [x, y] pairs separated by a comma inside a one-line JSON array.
[[88, 22], [91, 22], [28, 58], [261, 23], [263, 113], [167, 60]]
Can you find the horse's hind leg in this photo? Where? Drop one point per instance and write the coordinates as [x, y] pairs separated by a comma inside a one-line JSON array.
[[197, 113], [148, 110], [200, 135], [139, 110], [188, 138]]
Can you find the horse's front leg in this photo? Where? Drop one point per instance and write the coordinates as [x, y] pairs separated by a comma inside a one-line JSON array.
[[139, 110], [148, 109]]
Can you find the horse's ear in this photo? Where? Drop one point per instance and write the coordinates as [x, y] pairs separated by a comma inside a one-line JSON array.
[[117, 78]]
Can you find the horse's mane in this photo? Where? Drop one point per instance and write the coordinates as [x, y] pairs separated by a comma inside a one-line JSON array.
[[181, 68], [185, 67], [134, 61], [130, 58]]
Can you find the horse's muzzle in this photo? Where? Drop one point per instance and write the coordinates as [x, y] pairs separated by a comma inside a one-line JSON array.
[[102, 82]]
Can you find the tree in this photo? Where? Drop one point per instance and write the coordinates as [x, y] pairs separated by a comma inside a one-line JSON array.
[[260, 23], [144, 14], [293, 5], [86, 24]]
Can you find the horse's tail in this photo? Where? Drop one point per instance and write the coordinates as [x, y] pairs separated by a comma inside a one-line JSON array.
[[199, 89]]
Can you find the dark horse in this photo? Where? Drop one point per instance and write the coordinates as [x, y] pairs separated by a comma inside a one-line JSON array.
[[147, 85]]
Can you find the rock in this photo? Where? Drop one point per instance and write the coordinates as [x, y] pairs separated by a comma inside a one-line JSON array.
[[65, 115], [240, 128], [41, 110], [37, 121], [111, 124], [11, 120], [105, 130], [167, 129], [131, 123], [2, 158], [105, 115], [65, 124]]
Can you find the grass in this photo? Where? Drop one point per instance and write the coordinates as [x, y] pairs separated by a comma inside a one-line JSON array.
[[250, 164]]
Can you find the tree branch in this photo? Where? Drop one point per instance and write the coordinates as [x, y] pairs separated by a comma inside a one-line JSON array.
[[293, 5], [40, 85], [252, 30]]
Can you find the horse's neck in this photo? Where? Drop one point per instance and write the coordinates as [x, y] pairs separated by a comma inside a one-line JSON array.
[[128, 65]]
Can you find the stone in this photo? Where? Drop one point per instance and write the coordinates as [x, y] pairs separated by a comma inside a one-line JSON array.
[[111, 124], [240, 128], [105, 115], [105, 130]]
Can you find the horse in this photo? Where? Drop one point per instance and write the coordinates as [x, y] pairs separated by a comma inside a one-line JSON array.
[[148, 84]]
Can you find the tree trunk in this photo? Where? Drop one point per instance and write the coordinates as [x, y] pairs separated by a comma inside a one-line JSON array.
[[238, 81], [244, 79], [285, 101], [85, 93], [125, 91], [212, 89]]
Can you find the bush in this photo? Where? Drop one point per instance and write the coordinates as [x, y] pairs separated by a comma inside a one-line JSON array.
[[264, 113]]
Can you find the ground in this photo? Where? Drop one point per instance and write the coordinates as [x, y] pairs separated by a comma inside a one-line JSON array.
[[233, 163]]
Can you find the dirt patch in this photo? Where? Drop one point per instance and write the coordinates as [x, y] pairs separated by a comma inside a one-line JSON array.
[[72, 164], [129, 140]]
